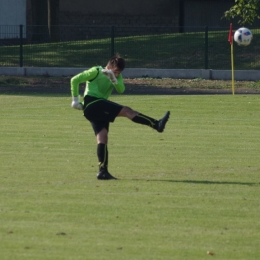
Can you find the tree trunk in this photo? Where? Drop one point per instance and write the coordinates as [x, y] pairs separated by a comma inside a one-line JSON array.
[[45, 20], [39, 20], [53, 20]]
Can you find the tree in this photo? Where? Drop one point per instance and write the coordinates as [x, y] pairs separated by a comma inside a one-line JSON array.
[[45, 19], [53, 22], [39, 20], [246, 10]]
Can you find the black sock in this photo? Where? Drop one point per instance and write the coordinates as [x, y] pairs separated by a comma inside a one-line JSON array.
[[145, 120], [102, 153]]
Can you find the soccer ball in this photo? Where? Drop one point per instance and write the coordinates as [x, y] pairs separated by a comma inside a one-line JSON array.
[[243, 36]]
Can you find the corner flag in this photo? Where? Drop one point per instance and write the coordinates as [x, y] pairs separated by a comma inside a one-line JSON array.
[[230, 39], [230, 35]]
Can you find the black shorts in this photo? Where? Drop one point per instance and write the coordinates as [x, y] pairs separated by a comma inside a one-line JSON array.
[[100, 112]]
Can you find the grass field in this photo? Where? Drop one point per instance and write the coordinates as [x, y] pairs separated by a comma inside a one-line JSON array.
[[191, 192], [161, 51]]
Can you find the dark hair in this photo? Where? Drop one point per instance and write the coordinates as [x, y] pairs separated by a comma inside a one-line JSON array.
[[117, 61]]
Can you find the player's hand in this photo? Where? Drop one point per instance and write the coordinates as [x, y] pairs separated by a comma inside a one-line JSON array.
[[110, 74], [76, 104]]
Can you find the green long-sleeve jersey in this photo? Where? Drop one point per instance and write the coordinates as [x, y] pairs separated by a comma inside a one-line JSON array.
[[97, 84]]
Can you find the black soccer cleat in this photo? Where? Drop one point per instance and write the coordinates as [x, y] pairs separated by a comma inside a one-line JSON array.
[[105, 175], [162, 122]]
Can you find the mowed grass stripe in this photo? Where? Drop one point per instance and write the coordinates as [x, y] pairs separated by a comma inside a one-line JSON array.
[[192, 189]]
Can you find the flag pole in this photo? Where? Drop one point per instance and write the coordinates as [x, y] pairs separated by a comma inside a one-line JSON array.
[[230, 39]]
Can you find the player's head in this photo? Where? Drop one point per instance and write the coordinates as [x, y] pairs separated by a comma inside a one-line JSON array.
[[116, 64]]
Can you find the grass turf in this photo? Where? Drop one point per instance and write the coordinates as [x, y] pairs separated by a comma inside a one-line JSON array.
[[161, 51], [190, 190]]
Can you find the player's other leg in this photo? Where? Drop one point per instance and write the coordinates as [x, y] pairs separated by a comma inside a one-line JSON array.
[[100, 113], [139, 118], [102, 154]]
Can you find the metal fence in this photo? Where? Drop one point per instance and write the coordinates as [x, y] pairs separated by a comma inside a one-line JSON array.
[[142, 47]]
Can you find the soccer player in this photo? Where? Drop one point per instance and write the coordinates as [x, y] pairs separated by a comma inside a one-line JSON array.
[[100, 83]]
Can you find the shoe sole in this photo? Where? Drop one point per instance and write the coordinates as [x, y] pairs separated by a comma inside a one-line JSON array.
[[103, 179], [106, 178], [163, 122]]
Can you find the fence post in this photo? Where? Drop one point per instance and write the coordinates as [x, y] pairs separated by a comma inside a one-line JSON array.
[[112, 40], [21, 45], [206, 48]]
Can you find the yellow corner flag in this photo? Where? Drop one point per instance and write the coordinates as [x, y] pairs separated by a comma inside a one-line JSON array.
[[230, 39]]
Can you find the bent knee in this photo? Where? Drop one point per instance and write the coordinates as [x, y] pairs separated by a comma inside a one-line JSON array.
[[127, 109], [128, 112]]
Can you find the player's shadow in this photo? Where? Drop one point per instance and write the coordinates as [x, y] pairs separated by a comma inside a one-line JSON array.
[[206, 182]]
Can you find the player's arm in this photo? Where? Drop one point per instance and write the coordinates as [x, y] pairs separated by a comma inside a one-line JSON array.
[[116, 81], [120, 86], [81, 78], [75, 82]]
